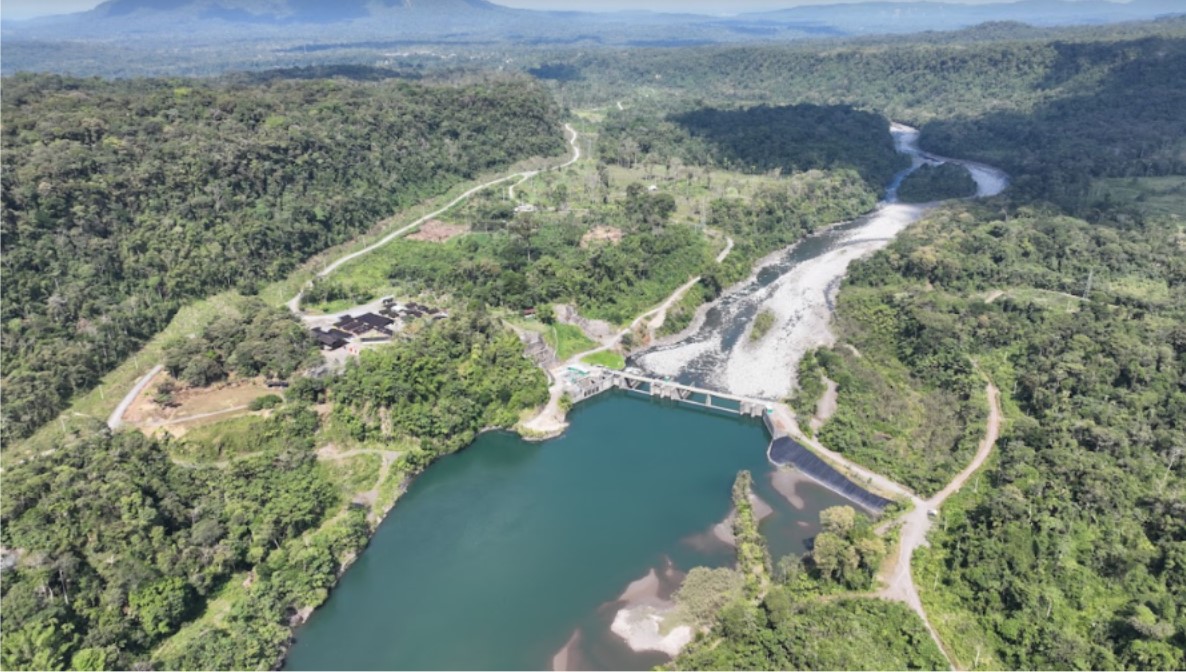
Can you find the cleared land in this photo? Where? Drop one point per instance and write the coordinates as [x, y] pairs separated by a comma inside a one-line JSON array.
[[436, 231], [194, 406]]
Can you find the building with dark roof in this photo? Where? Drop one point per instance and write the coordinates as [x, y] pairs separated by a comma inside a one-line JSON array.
[[331, 339], [365, 323]]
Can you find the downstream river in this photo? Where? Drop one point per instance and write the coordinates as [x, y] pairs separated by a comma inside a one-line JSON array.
[[512, 555], [499, 556], [798, 286]]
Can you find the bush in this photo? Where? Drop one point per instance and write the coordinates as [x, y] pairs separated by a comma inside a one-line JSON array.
[[266, 401], [164, 393], [705, 592], [762, 325], [308, 390]]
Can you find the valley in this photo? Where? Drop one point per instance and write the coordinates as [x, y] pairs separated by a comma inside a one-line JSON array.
[[622, 345]]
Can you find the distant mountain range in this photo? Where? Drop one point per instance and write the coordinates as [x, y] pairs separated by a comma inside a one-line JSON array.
[[113, 37], [863, 18], [443, 18]]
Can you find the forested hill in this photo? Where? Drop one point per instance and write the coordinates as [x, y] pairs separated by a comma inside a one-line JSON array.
[[914, 79], [758, 139], [124, 200], [1055, 114], [1128, 122]]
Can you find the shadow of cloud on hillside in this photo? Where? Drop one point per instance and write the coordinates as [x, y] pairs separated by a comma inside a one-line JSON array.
[[1129, 123], [796, 138]]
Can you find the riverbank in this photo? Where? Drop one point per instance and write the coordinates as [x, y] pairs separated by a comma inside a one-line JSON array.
[[511, 547], [641, 622], [797, 286]]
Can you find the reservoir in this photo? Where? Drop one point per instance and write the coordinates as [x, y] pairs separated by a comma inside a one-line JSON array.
[[499, 556]]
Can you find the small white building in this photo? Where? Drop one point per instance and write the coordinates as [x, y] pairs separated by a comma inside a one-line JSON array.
[[526, 207]]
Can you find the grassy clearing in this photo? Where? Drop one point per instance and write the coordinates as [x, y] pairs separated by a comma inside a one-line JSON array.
[[1151, 290], [390, 491], [1149, 195], [221, 440], [1045, 298], [94, 406], [567, 340], [217, 608], [606, 358], [355, 474], [693, 187]]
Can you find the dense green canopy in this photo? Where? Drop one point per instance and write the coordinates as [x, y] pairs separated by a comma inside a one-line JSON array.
[[122, 200]]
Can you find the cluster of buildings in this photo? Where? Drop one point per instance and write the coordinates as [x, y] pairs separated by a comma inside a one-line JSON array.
[[373, 327]]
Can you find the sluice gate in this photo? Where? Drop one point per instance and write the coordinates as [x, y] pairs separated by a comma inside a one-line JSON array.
[[783, 450]]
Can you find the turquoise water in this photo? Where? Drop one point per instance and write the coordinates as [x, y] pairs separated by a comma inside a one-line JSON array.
[[496, 556]]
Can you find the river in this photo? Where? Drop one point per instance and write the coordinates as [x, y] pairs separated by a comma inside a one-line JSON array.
[[512, 555], [498, 555], [798, 286]]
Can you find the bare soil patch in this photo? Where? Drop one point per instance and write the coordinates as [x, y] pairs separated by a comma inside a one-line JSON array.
[[436, 231], [825, 408], [217, 402], [602, 234]]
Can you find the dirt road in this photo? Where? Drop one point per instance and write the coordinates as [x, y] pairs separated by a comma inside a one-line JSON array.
[[294, 304], [116, 419], [900, 583]]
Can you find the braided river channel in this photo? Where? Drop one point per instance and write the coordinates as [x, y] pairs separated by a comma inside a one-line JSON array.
[[517, 555]]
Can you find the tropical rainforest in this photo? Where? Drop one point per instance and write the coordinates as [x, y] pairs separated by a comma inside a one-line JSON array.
[[125, 538], [125, 201], [937, 183], [1067, 554], [522, 260]]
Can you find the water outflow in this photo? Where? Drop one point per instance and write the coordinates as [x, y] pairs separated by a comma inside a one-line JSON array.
[[798, 286]]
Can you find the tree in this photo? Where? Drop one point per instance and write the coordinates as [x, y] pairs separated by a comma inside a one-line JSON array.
[[838, 520], [162, 606], [524, 227], [704, 592], [40, 645], [89, 659], [829, 554], [164, 393]]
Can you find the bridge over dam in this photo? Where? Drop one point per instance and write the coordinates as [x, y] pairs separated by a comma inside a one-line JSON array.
[[585, 383]]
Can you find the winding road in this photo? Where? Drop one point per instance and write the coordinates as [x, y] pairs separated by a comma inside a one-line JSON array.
[[551, 420], [115, 420], [294, 304], [899, 584], [915, 525]]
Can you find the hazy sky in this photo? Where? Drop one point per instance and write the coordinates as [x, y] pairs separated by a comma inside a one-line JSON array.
[[23, 9]]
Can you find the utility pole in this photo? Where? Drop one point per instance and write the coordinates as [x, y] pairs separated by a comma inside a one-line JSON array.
[[1090, 278]]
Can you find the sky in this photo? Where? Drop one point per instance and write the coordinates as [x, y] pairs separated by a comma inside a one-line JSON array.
[[24, 9]]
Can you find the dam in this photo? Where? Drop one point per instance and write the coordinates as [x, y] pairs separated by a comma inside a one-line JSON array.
[[784, 451]]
